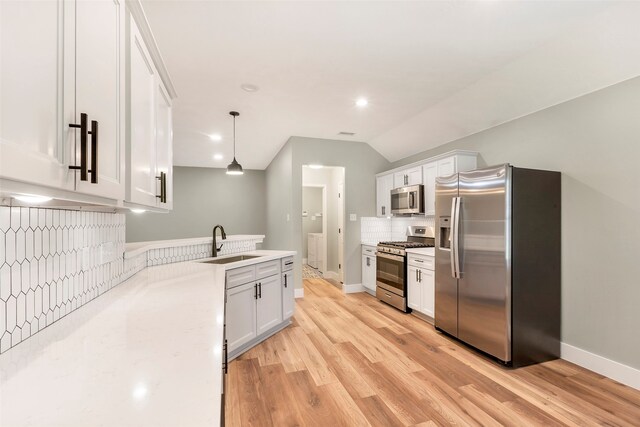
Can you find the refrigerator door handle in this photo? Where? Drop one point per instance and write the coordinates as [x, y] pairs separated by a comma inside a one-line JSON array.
[[452, 235], [456, 237]]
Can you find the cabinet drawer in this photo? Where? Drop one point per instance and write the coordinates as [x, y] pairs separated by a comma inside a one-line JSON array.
[[368, 250], [287, 263], [240, 276], [421, 261], [266, 269]]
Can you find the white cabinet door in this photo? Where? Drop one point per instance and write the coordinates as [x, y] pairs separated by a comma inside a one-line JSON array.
[[33, 148], [427, 285], [414, 291], [400, 179], [100, 90], [429, 174], [164, 144], [369, 272], [447, 166], [241, 315], [288, 295], [269, 306], [414, 176], [384, 185], [142, 160]]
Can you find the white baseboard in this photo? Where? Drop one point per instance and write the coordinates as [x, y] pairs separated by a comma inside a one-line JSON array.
[[350, 289], [609, 368], [299, 292], [330, 275], [304, 260]]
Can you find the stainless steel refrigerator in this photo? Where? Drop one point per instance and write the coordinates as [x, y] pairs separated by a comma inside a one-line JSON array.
[[497, 275]]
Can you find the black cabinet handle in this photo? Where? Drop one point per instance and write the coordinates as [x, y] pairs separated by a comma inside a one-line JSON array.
[[255, 290], [259, 290], [226, 357], [163, 187], [83, 146], [94, 152], [285, 280]]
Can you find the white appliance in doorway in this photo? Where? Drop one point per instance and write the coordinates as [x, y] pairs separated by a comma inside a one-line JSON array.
[[315, 251]]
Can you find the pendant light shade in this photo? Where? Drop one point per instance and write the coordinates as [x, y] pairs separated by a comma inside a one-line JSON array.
[[234, 167]]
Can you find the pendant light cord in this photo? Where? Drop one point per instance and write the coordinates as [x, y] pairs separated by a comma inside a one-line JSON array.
[[234, 137]]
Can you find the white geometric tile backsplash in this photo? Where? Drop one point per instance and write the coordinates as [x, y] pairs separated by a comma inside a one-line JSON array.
[[374, 230], [53, 261]]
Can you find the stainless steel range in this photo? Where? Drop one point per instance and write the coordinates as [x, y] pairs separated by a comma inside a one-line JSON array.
[[391, 266]]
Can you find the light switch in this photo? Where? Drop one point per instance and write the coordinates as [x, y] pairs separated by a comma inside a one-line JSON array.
[[352, 217]]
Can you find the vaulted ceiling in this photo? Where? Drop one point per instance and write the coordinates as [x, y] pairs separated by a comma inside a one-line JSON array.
[[432, 71]]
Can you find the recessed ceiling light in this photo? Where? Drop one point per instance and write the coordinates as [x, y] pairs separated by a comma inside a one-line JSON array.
[[362, 102], [215, 137], [316, 166], [218, 156], [248, 87], [32, 198]]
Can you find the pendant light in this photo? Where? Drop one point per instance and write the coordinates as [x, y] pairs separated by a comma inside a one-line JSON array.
[[234, 167]]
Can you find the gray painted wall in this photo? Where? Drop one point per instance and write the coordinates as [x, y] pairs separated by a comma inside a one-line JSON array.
[[312, 204], [594, 141], [284, 184], [204, 197]]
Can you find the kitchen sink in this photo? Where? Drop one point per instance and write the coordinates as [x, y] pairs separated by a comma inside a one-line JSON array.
[[231, 259]]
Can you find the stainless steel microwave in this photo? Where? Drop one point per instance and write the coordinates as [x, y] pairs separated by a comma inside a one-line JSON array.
[[408, 200]]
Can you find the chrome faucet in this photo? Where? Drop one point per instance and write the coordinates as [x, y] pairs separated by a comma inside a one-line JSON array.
[[215, 249]]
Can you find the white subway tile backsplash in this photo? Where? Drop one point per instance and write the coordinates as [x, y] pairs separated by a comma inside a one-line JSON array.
[[374, 230]]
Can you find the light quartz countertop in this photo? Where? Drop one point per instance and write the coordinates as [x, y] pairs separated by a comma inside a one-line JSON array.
[[146, 353], [136, 248], [422, 251]]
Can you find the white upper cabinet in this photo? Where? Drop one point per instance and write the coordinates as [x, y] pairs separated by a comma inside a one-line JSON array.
[[142, 146], [430, 172], [164, 146], [411, 176], [32, 130], [150, 137], [384, 185], [99, 93]]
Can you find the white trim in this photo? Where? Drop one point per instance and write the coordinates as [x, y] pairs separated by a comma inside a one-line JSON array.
[[299, 292], [330, 275], [353, 288], [603, 366], [430, 159]]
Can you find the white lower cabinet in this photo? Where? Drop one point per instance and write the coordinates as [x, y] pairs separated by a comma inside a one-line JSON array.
[[269, 303], [241, 315], [288, 295], [421, 284], [369, 268], [260, 298]]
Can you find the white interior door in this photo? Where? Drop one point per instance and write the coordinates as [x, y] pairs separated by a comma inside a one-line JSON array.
[[341, 232], [99, 72]]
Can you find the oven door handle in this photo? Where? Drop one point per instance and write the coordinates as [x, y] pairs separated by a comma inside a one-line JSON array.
[[390, 256]]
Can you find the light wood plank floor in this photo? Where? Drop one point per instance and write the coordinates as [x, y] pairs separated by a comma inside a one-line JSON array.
[[353, 361]]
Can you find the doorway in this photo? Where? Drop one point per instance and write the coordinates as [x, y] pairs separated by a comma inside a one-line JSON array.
[[323, 228]]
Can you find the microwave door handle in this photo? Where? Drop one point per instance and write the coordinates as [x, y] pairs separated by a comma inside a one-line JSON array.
[[452, 240], [411, 200]]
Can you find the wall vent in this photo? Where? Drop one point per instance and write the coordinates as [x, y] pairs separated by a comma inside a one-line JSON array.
[[346, 133]]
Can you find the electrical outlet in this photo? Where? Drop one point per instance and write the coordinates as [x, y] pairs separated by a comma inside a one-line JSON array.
[[352, 217]]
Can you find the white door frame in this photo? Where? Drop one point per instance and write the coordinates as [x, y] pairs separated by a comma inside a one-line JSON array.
[[341, 221], [324, 224]]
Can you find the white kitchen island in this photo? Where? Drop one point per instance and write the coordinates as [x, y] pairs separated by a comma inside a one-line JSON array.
[[147, 353]]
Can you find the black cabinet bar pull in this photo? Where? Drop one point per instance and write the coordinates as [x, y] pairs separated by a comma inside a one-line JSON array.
[[259, 290], [255, 290], [94, 152], [83, 146], [226, 357], [285, 280], [164, 187]]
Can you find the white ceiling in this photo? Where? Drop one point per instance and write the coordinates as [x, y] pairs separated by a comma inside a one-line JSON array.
[[432, 71]]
